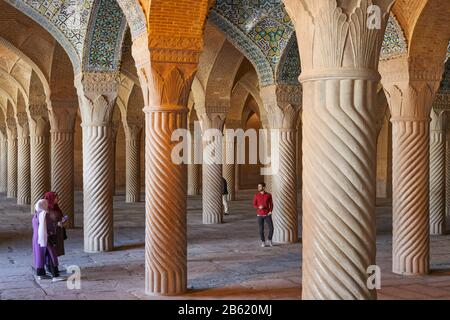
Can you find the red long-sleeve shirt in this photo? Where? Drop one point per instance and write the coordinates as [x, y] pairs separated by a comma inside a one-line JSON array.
[[265, 200]]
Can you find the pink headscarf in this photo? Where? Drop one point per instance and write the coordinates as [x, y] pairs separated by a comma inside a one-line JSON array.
[[51, 197]]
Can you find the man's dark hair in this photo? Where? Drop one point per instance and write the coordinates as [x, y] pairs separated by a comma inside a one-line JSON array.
[[262, 183]]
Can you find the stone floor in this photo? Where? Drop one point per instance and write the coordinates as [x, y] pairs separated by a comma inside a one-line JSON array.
[[224, 261]]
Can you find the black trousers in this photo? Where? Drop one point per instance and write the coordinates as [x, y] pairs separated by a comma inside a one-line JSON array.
[[268, 220]]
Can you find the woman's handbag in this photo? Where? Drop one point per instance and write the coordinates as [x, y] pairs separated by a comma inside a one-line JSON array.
[[64, 233]]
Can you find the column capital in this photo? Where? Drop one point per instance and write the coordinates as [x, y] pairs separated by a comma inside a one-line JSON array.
[[132, 129], [437, 120], [97, 93], [212, 120], [22, 125], [3, 130], [166, 69], [337, 40], [62, 119], [11, 127], [38, 119], [411, 69], [282, 104]]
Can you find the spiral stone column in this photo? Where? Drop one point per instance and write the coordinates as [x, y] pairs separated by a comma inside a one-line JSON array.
[[194, 168], [23, 160], [62, 123], [447, 164], [340, 55], [3, 159], [282, 105], [410, 87], [114, 130], [97, 93], [11, 191], [165, 98], [267, 148], [437, 173], [133, 164], [39, 150], [212, 126], [229, 166]]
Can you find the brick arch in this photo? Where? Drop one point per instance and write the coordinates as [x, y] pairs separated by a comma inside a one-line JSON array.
[[135, 17], [7, 76], [55, 24], [222, 76], [8, 97], [43, 74], [250, 50], [104, 39], [244, 88], [425, 23], [37, 92], [135, 103], [21, 104], [61, 80]]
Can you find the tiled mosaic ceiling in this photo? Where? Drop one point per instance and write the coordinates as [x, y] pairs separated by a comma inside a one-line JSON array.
[[105, 38], [264, 24], [394, 43], [69, 16]]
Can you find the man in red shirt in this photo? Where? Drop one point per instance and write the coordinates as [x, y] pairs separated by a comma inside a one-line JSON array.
[[264, 206]]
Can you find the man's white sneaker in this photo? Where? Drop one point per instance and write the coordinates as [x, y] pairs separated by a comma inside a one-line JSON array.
[[263, 244], [57, 279], [270, 243]]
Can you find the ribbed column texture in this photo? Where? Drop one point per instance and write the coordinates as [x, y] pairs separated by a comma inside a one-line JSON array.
[[12, 168], [40, 167], [62, 172], [410, 253], [437, 182], [23, 167], [212, 186], [98, 194], [339, 154], [133, 165], [229, 167], [3, 164], [166, 186], [284, 186]]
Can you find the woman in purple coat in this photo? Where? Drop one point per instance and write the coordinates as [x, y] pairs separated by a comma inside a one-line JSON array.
[[44, 250]]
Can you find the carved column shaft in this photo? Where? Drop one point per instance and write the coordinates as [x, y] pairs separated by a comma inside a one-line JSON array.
[[12, 158], [447, 169], [3, 159], [40, 152], [229, 167], [133, 162], [97, 93], [437, 173], [114, 132], [340, 55], [62, 121], [23, 160], [212, 167], [410, 87], [165, 97], [194, 169], [410, 160], [282, 104]]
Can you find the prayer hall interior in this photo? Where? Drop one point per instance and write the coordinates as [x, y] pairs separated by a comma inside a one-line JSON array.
[[350, 98]]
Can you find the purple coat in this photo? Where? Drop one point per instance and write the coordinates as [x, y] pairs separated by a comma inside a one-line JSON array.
[[42, 254]]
